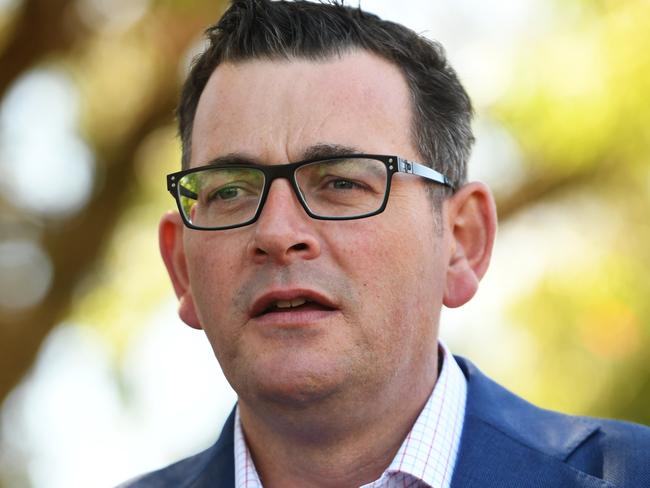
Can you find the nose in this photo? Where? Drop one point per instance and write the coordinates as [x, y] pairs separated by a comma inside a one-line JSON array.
[[283, 232]]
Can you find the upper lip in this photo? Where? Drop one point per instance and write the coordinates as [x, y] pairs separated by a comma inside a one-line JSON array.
[[263, 302]]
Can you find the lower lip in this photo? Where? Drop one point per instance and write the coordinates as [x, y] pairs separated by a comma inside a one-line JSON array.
[[303, 317]]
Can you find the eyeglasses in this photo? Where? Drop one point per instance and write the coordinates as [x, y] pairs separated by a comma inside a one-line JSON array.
[[225, 196]]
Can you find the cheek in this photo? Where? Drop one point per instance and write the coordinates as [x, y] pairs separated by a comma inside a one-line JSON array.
[[396, 263], [363, 251], [396, 247], [376, 260], [212, 269]]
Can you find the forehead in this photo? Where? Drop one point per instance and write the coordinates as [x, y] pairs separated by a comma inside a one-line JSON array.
[[274, 110]]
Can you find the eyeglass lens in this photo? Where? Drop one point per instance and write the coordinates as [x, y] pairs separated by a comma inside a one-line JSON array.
[[339, 188]]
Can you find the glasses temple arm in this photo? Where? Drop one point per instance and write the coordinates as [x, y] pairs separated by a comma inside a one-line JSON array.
[[186, 192], [410, 167]]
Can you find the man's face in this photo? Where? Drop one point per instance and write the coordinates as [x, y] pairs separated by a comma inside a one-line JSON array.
[[373, 286]]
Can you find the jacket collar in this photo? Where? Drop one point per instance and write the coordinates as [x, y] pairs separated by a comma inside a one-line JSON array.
[[508, 443], [219, 470]]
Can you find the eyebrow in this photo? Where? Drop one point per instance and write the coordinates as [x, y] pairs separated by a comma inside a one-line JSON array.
[[317, 151], [324, 151]]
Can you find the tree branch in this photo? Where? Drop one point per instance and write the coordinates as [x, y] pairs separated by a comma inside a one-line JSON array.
[[41, 28], [76, 246]]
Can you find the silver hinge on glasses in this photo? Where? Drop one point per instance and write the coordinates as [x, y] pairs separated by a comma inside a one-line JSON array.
[[403, 166]]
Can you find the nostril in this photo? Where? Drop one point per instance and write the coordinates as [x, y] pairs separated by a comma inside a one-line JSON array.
[[301, 246]]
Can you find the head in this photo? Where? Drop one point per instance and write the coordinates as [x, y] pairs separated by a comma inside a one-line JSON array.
[[279, 30], [284, 81]]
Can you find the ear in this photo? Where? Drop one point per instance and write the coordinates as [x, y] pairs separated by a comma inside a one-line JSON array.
[[170, 236], [471, 220]]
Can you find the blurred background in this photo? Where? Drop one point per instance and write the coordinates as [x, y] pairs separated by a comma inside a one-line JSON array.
[[100, 381]]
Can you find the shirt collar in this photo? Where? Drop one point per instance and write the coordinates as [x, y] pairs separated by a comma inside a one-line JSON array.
[[427, 454]]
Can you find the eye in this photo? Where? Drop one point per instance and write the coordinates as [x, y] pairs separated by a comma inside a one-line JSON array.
[[233, 192], [344, 185], [338, 184], [227, 193]]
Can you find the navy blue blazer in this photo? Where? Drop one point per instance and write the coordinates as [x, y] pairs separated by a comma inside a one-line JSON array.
[[506, 443]]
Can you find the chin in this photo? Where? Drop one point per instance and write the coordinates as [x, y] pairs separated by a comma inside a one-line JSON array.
[[296, 386]]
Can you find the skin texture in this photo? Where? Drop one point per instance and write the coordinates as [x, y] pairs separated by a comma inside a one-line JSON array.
[[316, 387]]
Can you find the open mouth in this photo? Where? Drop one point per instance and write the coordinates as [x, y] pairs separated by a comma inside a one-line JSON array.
[[293, 305]]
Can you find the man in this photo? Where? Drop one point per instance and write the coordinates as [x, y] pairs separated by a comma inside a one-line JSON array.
[[324, 219]]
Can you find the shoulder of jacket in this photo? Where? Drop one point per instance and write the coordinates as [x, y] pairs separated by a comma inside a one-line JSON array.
[[178, 475]]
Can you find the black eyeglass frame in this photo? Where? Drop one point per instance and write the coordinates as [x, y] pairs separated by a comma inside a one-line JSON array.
[[394, 164]]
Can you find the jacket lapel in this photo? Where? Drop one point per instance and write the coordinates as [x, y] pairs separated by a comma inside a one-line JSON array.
[[489, 458], [509, 443]]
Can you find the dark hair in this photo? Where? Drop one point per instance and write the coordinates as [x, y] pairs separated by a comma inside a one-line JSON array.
[[255, 29]]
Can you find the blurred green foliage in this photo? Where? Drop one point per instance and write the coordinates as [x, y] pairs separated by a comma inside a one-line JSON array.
[[579, 111]]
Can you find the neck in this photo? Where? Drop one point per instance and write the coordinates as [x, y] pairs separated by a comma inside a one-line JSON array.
[[337, 444]]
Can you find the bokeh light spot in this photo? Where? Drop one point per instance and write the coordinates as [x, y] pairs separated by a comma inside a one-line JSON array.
[[48, 169], [25, 274]]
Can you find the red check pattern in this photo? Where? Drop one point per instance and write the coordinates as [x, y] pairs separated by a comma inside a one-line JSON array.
[[428, 454]]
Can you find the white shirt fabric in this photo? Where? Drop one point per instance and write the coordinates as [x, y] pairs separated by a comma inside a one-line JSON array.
[[427, 455]]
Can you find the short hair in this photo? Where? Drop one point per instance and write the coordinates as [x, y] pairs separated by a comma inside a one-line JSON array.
[[265, 29]]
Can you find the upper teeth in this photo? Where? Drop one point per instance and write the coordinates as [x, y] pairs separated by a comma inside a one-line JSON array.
[[296, 302]]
